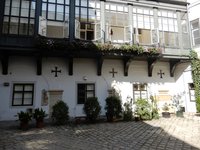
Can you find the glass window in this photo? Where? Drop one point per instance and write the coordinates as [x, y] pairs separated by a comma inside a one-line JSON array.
[[56, 13], [195, 27], [140, 91], [18, 20], [85, 91], [23, 94], [87, 14], [191, 91]]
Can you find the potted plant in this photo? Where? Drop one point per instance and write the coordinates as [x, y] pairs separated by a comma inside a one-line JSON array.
[[113, 108], [92, 108], [165, 113], [24, 118], [39, 115], [177, 103]]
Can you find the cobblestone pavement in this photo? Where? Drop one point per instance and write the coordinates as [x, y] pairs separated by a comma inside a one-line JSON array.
[[165, 133]]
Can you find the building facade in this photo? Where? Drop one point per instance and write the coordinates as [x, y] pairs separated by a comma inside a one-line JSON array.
[[69, 50]]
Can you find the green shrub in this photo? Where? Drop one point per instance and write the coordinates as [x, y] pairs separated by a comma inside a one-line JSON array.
[[113, 107], [128, 113], [143, 109], [92, 108], [60, 113]]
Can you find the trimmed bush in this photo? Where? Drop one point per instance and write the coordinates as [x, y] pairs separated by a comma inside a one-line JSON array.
[[92, 109], [60, 113], [113, 108]]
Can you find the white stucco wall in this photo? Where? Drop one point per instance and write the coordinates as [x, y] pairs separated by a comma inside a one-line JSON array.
[[23, 70]]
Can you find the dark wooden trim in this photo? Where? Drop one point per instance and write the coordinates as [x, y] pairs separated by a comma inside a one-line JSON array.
[[4, 63], [173, 64], [70, 65], [2, 8], [127, 61], [38, 13], [99, 65], [176, 2], [151, 63], [72, 20], [39, 65]]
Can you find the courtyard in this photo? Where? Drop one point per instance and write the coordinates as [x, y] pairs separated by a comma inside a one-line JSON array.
[[166, 133]]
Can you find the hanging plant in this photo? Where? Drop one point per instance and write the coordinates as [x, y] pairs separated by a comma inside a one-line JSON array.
[[195, 64]]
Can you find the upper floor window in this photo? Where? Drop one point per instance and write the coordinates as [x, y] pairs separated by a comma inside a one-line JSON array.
[[56, 15], [19, 17], [87, 13], [117, 26], [23, 94], [195, 27], [168, 28], [143, 24]]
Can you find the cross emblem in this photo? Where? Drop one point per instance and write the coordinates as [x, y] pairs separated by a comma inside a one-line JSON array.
[[56, 71], [161, 74], [113, 72]]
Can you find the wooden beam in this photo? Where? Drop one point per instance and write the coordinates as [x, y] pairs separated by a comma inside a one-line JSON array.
[[151, 63], [39, 65], [70, 65], [127, 61], [173, 64], [99, 65], [4, 63]]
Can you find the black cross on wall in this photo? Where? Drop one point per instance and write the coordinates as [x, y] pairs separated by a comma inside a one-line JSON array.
[[161, 74], [113, 72], [56, 71]]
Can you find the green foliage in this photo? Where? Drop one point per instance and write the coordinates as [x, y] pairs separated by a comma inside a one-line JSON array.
[[77, 45], [24, 116], [155, 114], [92, 108], [195, 64], [165, 107], [143, 109], [128, 113], [113, 107], [60, 113], [39, 114]]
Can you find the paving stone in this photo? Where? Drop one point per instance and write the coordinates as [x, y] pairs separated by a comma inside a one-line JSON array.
[[163, 134]]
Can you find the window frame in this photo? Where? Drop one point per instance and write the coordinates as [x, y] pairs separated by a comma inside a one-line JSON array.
[[191, 88], [23, 92], [140, 90], [6, 30], [85, 92]]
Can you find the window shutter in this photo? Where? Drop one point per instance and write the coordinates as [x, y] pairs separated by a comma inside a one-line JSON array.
[[77, 29], [42, 26]]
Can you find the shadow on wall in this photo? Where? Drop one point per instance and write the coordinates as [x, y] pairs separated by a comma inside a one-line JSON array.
[[156, 134]]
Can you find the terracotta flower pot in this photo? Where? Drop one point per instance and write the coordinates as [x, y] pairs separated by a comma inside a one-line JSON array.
[[40, 123], [24, 125]]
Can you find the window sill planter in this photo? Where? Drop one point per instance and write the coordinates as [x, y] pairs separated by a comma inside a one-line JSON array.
[[166, 114]]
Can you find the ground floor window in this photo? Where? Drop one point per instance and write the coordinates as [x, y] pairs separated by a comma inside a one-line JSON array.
[[139, 91], [191, 91], [23, 94], [84, 91]]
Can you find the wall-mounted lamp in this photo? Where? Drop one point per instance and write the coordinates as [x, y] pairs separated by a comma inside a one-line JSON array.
[[85, 78]]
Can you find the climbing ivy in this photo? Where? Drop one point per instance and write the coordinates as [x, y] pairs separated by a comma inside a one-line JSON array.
[[195, 64]]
